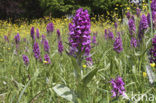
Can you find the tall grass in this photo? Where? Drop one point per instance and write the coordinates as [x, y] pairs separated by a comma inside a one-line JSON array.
[[35, 83]]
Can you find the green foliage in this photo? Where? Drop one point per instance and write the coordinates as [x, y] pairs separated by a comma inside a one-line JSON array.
[[55, 83], [88, 77], [65, 92], [59, 8]]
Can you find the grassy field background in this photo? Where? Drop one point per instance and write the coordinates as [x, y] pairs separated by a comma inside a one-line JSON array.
[[35, 83]]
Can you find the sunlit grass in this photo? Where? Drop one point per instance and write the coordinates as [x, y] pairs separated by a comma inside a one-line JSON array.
[[34, 83]]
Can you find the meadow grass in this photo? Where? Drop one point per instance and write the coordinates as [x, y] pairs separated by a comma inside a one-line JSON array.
[[34, 83]]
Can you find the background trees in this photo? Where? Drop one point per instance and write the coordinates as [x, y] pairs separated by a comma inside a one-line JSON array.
[[56, 8]]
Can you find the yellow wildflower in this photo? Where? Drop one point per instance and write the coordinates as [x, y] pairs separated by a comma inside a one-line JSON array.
[[152, 64], [119, 20], [128, 8], [144, 74], [108, 13], [1, 60], [84, 66], [45, 62]]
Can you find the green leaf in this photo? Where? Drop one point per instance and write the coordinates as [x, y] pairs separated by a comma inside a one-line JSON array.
[[77, 68], [137, 53], [36, 73], [65, 93], [134, 69], [88, 77], [148, 42], [25, 87], [106, 68], [117, 61], [22, 92]]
